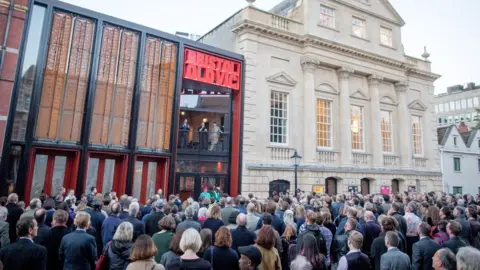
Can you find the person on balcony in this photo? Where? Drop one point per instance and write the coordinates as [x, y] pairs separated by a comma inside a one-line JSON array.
[[214, 136], [203, 136], [184, 128]]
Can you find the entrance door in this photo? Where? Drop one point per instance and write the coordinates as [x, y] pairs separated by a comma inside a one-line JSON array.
[[50, 170], [395, 186], [191, 184], [149, 176], [107, 172], [331, 186], [365, 183]]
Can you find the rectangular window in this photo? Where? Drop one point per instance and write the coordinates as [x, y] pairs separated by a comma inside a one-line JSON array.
[[436, 108], [66, 78], [441, 107], [417, 135], [114, 89], [278, 117], [475, 102], [457, 105], [455, 141], [456, 164], [457, 190], [452, 106], [324, 123], [450, 119], [470, 103], [478, 162], [358, 27], [386, 127], [386, 36], [357, 129], [156, 98], [464, 103], [327, 16]]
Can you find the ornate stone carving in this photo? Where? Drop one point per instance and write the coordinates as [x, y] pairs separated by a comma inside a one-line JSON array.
[[309, 64], [375, 80], [401, 86], [282, 78], [344, 72]]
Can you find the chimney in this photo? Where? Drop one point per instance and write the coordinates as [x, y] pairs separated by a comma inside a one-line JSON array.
[[462, 127]]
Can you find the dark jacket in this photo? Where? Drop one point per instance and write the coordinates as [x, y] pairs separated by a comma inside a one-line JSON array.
[[340, 246], [138, 227], [96, 221], [14, 213], [402, 223], [42, 234], [53, 245], [277, 224], [24, 255], [464, 235], [422, 253], [221, 258], [242, 237], [372, 230], [78, 250], [118, 255], [187, 224], [358, 260], [109, 227], [49, 217], [197, 264], [378, 248], [151, 223], [214, 225], [454, 244]]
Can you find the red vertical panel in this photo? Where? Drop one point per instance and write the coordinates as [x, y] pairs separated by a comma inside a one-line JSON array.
[[165, 173], [31, 167], [236, 134], [47, 188], [100, 173], [122, 180]]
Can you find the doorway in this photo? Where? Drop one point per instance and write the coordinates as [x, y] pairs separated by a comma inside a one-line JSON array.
[[365, 184], [331, 186], [150, 174], [395, 186], [191, 184]]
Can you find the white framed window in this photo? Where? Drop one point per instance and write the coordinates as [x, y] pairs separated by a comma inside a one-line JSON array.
[[440, 107], [436, 108], [475, 102], [327, 16], [386, 36], [447, 107], [417, 135], [386, 127], [464, 103], [470, 103], [357, 129], [457, 105], [456, 164], [452, 106], [278, 117], [324, 123], [358, 27]]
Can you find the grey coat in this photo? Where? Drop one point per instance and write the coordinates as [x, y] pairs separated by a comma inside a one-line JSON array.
[[394, 259], [4, 236]]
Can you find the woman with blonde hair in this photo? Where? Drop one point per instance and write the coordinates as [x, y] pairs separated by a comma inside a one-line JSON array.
[[190, 244], [288, 218], [214, 220], [142, 255], [289, 237], [299, 216], [118, 251]]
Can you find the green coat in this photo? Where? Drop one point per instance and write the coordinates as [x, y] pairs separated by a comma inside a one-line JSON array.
[[162, 242]]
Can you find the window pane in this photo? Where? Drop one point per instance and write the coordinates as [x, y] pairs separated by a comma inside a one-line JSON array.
[[28, 73], [108, 175], [137, 181], [417, 135], [475, 101], [386, 128], [58, 174], [324, 123], [327, 16], [39, 171], [452, 105], [464, 103], [469, 103], [358, 27], [92, 172], [152, 178], [278, 117], [386, 36], [357, 129]]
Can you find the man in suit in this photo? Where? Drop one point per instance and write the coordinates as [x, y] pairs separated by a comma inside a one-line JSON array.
[[58, 231], [394, 259], [189, 222], [14, 213], [354, 259], [43, 230], [24, 254], [454, 243], [184, 128], [78, 249], [110, 224], [459, 214], [96, 222], [241, 236], [444, 259], [424, 250], [402, 223], [151, 221], [378, 246], [340, 241], [138, 226], [229, 209], [372, 231]]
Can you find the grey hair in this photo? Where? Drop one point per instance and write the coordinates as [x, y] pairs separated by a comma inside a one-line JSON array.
[[468, 258], [460, 210], [288, 217], [124, 232], [241, 220], [461, 202], [133, 209], [369, 215], [411, 207], [368, 206], [300, 263], [447, 258], [189, 212], [228, 200], [250, 208]]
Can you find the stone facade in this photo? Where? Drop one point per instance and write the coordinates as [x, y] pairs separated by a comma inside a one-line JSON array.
[[304, 62]]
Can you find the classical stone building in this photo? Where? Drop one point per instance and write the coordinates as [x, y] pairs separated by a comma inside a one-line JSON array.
[[330, 79]]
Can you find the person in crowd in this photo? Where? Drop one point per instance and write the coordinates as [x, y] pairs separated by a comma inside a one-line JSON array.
[[110, 224], [4, 233], [326, 233], [43, 230], [96, 222], [189, 222], [299, 216], [354, 259], [444, 259], [142, 255], [378, 248], [340, 242], [348, 212], [328, 223], [151, 221], [394, 259], [309, 249], [241, 236], [33, 206], [174, 249], [468, 258], [3, 209], [395, 213], [300, 263], [446, 213], [288, 218], [71, 214], [441, 235], [78, 250], [252, 219], [221, 255], [138, 225], [213, 221], [55, 236], [339, 202], [240, 205], [413, 221], [250, 258], [91, 194], [267, 220], [265, 243], [281, 209], [424, 250], [126, 205], [190, 244], [24, 254], [162, 238], [119, 249], [49, 206], [372, 230], [459, 214], [228, 210], [14, 213], [289, 238], [454, 243], [277, 223], [206, 236], [232, 221]]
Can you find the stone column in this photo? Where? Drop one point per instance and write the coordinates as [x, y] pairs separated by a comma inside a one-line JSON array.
[[309, 115], [376, 131], [345, 124], [404, 130]]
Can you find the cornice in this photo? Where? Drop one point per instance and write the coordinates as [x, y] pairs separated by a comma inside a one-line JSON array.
[[400, 21], [248, 24]]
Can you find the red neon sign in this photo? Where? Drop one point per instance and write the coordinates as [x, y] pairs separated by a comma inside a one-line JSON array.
[[211, 69]]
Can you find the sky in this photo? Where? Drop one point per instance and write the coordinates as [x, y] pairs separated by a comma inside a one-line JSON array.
[[448, 28]]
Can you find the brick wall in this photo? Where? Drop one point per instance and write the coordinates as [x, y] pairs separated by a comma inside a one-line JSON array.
[[11, 53]]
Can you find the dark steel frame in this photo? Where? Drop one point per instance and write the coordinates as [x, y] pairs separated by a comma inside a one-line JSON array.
[[84, 146]]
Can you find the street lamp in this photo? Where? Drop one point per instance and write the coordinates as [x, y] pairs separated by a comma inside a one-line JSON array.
[[296, 161]]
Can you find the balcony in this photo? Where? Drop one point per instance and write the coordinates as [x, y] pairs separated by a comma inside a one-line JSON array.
[[419, 163], [278, 153], [327, 157], [361, 159], [203, 143], [390, 161]]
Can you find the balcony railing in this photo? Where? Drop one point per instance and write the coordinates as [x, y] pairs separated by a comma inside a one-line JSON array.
[[418, 63], [361, 159], [327, 157], [419, 163], [265, 18], [280, 153], [203, 142], [390, 161]]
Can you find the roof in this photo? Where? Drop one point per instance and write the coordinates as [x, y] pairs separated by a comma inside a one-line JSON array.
[[472, 135], [466, 136], [443, 133]]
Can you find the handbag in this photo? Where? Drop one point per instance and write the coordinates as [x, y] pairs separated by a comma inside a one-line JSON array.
[[102, 263]]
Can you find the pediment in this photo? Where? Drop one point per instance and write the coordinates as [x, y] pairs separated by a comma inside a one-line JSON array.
[[282, 78], [417, 105], [388, 100], [326, 88], [359, 95]]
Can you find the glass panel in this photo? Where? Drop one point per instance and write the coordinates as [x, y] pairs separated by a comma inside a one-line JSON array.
[[114, 89], [58, 174], [39, 171], [66, 78], [152, 178], [158, 85], [92, 172], [137, 181], [28, 73], [108, 175]]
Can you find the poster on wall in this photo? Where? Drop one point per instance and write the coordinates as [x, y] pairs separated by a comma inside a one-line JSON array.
[[412, 189], [319, 189], [353, 189], [385, 190]]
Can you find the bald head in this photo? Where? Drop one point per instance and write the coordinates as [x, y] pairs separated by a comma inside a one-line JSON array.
[[241, 220]]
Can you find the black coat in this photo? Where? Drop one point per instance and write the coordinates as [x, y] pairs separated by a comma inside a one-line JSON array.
[[55, 237], [78, 250], [372, 230], [96, 221], [118, 255], [242, 237], [454, 244], [151, 223], [14, 213], [422, 253], [464, 235], [378, 248], [138, 227], [340, 246], [42, 234], [402, 223], [24, 255]]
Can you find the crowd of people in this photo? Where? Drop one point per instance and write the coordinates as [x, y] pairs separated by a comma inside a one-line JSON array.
[[303, 232]]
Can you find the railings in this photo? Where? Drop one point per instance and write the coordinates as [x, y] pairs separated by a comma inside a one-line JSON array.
[[360, 159], [390, 161], [203, 142], [280, 153], [419, 163], [264, 18], [327, 157]]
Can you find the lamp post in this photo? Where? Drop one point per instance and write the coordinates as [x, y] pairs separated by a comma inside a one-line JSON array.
[[296, 161]]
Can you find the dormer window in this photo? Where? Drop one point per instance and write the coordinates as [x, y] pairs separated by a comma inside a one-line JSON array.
[[455, 141], [327, 16], [358, 27], [386, 36]]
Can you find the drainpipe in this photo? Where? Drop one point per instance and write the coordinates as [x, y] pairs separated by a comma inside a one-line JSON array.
[[441, 170], [3, 47]]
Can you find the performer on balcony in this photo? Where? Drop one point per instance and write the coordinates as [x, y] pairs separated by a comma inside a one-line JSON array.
[[184, 128], [203, 136], [214, 136]]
